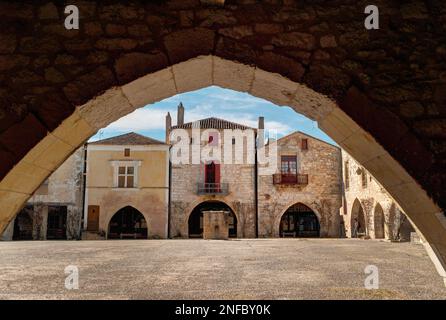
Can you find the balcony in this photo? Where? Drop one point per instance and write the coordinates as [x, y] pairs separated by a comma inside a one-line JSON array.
[[212, 188], [290, 179]]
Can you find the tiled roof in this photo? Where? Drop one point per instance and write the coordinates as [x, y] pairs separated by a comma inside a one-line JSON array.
[[128, 139], [212, 123]]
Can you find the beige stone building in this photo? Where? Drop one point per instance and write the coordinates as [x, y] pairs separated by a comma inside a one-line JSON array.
[[302, 198], [55, 209], [368, 210], [211, 184], [127, 188]]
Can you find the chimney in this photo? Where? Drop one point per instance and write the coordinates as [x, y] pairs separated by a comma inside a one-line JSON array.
[[168, 126], [180, 114], [261, 133], [261, 123]]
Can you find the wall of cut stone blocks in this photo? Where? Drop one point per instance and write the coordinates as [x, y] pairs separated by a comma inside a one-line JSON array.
[[322, 194], [372, 196]]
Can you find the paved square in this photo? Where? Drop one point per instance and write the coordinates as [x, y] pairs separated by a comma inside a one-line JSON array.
[[234, 269]]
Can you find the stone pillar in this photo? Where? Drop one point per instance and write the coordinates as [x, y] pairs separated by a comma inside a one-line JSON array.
[[216, 225], [40, 221], [74, 214], [9, 232]]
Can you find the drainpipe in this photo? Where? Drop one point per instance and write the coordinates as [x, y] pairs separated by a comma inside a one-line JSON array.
[[256, 196], [259, 140], [84, 185], [169, 196]]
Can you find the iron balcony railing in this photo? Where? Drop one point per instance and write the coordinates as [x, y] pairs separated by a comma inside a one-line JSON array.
[[212, 188], [290, 179]]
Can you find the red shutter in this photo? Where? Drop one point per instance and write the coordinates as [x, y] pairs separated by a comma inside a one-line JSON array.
[[217, 177], [217, 173]]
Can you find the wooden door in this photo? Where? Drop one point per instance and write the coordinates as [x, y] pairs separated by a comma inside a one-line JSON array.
[[93, 218]]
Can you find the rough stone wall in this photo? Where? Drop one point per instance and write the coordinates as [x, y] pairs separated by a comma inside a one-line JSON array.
[[241, 196], [322, 194], [396, 74], [370, 197], [64, 187]]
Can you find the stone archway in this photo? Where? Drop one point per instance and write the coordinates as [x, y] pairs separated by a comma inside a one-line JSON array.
[[359, 220], [127, 222], [299, 220], [61, 86], [195, 217], [378, 222]]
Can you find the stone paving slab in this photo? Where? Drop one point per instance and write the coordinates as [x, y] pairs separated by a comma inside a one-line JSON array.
[[217, 269]]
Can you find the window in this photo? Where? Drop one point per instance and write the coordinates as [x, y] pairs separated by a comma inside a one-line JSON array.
[[126, 152], [233, 140], [288, 169], [364, 178], [126, 177], [304, 144], [347, 175], [213, 139]]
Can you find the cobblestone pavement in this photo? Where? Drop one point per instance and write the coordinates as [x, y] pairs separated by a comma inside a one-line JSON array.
[[235, 269]]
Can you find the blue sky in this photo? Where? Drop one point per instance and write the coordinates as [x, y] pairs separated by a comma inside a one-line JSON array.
[[212, 102]]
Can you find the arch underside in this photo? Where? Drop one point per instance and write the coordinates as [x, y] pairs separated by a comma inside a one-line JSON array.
[[49, 110], [195, 218], [127, 222], [299, 220]]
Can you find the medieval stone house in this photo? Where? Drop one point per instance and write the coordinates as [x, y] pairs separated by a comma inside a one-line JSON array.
[[212, 184], [55, 209], [127, 188], [368, 210], [302, 197]]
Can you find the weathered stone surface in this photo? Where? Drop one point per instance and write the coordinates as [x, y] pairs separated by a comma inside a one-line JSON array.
[[237, 32], [133, 65], [37, 46], [186, 44], [277, 63], [8, 43], [435, 128], [21, 137], [48, 11], [93, 29], [268, 28], [328, 42], [88, 85], [54, 76], [411, 109], [116, 44], [296, 40], [8, 62], [113, 29]]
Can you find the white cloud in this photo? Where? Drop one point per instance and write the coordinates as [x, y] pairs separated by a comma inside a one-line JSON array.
[[140, 119], [147, 118]]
